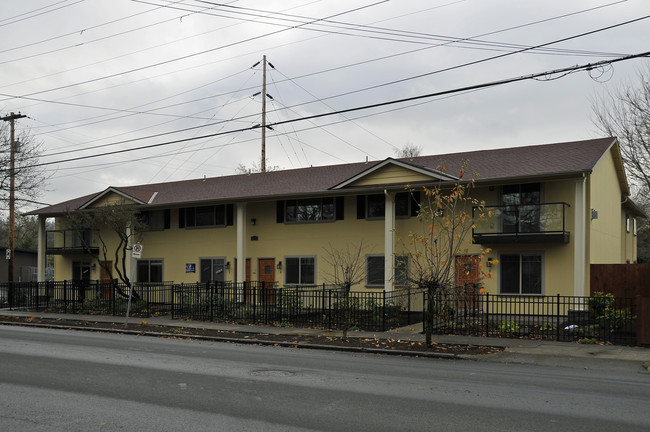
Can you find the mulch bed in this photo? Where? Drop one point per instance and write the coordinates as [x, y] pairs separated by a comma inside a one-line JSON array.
[[265, 338]]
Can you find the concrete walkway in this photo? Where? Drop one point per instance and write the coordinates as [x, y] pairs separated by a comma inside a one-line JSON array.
[[568, 354]]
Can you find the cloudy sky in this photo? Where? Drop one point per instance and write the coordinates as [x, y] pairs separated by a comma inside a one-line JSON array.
[[126, 92]]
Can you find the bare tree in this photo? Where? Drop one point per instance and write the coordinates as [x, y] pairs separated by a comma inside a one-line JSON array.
[[105, 223], [28, 178], [255, 168], [409, 150], [348, 268], [625, 113], [446, 223]]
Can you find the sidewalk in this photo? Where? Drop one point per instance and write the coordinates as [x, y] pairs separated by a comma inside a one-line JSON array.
[[528, 351]]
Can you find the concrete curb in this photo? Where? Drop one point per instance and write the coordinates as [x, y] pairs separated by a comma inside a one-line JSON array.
[[248, 341]]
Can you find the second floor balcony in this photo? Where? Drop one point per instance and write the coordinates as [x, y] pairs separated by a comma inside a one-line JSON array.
[[532, 223], [66, 242]]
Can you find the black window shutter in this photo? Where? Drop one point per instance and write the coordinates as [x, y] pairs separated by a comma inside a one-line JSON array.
[[279, 211], [181, 218], [168, 217], [230, 214], [361, 206], [340, 209], [415, 203]]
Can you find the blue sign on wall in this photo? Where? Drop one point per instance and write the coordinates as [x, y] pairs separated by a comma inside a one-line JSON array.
[[190, 268]]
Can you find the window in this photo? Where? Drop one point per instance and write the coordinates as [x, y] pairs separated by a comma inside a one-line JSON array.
[[521, 273], [307, 210], [627, 222], [205, 216], [522, 212], [310, 210], [300, 270], [81, 271], [401, 270], [374, 206], [212, 269], [634, 225], [155, 220], [150, 270], [375, 270]]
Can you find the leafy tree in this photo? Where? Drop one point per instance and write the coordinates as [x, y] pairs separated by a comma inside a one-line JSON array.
[[107, 222], [25, 232], [348, 268], [446, 223], [28, 179]]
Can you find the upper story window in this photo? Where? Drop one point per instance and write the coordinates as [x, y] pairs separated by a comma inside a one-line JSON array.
[[155, 220], [309, 210], [374, 206], [521, 194], [205, 216], [627, 222]]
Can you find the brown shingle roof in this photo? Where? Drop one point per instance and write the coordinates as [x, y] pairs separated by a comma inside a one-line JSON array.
[[491, 165]]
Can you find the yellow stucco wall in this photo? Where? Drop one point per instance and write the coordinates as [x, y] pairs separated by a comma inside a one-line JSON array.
[[606, 232]]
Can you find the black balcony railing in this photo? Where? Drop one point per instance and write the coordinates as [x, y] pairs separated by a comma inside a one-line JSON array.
[[60, 242], [530, 223]]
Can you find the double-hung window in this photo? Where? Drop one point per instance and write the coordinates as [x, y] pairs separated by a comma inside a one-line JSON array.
[[310, 210], [374, 206], [521, 273], [219, 215], [375, 266], [212, 269], [300, 270], [150, 270]]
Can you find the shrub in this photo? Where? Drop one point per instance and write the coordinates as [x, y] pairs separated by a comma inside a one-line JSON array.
[[599, 303], [508, 326]]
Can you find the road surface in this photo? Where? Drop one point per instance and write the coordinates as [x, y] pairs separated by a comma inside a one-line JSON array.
[[55, 380]]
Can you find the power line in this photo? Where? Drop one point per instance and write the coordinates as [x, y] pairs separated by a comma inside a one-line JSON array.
[[588, 66]]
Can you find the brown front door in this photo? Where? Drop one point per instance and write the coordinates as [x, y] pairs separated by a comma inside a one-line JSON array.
[[266, 274], [467, 278], [106, 278]]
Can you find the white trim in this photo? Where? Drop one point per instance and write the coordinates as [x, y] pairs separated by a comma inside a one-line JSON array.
[[152, 197], [389, 241], [241, 246], [106, 192], [434, 174], [579, 239]]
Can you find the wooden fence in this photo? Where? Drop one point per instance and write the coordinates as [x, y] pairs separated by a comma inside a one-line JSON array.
[[626, 280]]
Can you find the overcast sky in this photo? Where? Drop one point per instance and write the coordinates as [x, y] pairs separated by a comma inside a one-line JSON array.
[[100, 76]]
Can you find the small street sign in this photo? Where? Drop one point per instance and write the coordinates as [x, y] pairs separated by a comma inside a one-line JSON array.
[[137, 251]]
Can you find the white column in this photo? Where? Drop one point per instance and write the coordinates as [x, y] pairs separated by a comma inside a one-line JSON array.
[[241, 242], [42, 246], [389, 241], [579, 238]]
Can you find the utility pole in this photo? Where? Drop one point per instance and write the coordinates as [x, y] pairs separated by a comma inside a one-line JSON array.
[[11, 118], [263, 163]]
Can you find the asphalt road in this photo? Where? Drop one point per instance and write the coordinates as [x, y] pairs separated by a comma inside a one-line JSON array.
[[54, 380]]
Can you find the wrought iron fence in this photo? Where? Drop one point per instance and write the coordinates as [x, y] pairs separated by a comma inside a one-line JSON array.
[[88, 297], [314, 306], [562, 318]]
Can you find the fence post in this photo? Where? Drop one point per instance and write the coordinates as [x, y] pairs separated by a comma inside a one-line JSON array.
[[65, 296], [424, 311], [383, 314], [329, 302], [487, 314], [557, 318]]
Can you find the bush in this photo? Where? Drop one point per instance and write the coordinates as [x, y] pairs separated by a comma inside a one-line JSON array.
[[599, 303], [508, 326]]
